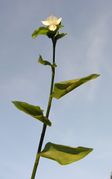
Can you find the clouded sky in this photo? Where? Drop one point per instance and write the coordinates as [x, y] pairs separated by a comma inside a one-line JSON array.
[[81, 118]]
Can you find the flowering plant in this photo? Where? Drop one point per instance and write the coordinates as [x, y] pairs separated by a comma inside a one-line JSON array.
[[60, 153]]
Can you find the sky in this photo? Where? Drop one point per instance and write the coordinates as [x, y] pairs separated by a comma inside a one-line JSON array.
[[81, 118]]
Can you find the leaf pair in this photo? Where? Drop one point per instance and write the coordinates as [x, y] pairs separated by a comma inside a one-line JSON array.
[[47, 32], [34, 111], [64, 154], [60, 89]]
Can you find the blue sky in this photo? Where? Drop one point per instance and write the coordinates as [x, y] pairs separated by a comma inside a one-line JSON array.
[[81, 118]]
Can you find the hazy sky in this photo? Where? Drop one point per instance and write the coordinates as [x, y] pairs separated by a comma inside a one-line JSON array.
[[81, 118]]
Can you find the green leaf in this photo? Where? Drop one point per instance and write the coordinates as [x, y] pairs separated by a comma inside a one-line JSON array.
[[62, 88], [40, 31], [58, 36], [44, 62], [34, 111], [64, 154]]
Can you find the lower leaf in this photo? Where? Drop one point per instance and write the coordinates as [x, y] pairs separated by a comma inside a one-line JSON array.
[[64, 154]]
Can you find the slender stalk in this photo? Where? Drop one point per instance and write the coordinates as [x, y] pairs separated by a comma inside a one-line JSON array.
[[47, 114]]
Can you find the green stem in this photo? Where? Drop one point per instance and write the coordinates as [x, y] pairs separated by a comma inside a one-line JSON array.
[[47, 114]]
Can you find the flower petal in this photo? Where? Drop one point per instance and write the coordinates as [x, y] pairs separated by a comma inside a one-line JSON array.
[[52, 22], [45, 23], [59, 20]]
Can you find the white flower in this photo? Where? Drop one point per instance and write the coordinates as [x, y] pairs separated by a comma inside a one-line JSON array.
[[52, 22]]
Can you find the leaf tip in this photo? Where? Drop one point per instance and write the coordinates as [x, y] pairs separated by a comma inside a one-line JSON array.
[[96, 75], [14, 102], [49, 124], [91, 149], [33, 35]]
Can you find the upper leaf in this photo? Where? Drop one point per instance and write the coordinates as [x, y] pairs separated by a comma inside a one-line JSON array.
[[60, 35], [62, 88], [34, 111], [44, 62], [64, 154], [40, 31]]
